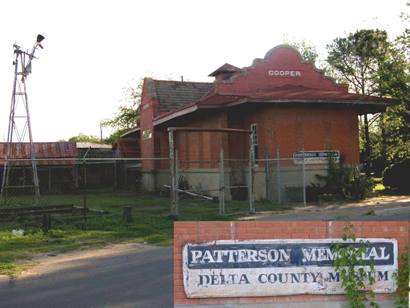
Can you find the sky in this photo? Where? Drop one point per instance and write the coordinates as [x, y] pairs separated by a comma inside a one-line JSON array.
[[94, 50]]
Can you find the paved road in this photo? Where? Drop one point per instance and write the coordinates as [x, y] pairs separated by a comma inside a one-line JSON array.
[[131, 275], [377, 208]]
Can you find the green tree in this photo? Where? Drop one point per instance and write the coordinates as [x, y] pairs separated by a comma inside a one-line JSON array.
[[394, 124], [127, 114], [307, 51], [84, 138], [391, 138], [358, 60]]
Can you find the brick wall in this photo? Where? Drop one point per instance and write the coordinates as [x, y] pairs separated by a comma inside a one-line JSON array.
[[287, 129], [197, 232], [149, 106], [293, 129]]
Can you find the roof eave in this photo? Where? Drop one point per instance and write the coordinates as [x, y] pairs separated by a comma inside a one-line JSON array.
[[131, 131], [363, 106], [174, 115]]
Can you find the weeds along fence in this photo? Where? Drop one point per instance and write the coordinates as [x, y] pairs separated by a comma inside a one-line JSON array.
[[224, 184]]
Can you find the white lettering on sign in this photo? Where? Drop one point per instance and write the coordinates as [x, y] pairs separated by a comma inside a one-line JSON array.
[[284, 73], [232, 268]]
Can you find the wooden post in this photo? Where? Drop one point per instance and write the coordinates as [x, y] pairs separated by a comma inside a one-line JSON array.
[[221, 183], [127, 214], [46, 223], [49, 179]]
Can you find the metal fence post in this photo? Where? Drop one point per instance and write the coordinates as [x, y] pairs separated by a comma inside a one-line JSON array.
[[278, 178], [304, 177], [115, 171], [85, 192], [85, 187], [268, 180], [221, 183], [251, 166]]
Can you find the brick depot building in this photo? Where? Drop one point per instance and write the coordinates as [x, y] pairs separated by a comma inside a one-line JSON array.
[[289, 102]]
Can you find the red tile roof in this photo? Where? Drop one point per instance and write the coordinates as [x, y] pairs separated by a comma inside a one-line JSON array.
[[285, 95]]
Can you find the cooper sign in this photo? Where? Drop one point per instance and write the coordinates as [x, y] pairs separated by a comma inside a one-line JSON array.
[[284, 73], [279, 267]]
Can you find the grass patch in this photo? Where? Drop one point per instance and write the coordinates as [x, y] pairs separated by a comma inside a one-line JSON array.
[[151, 224]]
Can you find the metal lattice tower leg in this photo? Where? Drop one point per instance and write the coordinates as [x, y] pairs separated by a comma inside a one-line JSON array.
[[20, 125]]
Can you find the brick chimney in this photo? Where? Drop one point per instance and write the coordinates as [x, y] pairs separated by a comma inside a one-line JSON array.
[[224, 72]]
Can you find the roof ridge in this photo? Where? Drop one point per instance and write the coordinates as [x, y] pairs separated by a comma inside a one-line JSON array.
[[179, 81]]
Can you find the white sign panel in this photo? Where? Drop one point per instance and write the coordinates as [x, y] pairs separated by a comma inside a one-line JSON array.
[[315, 157], [279, 267]]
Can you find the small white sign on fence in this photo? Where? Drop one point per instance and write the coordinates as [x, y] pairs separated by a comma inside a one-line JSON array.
[[315, 157], [279, 267]]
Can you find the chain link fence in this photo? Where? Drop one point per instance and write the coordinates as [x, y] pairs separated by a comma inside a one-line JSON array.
[[228, 185]]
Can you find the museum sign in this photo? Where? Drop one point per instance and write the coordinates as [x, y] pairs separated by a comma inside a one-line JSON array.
[[231, 268]]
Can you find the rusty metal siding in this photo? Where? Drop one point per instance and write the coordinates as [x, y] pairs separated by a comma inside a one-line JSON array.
[[53, 153]]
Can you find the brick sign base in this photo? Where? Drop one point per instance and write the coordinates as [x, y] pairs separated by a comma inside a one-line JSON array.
[[202, 248]]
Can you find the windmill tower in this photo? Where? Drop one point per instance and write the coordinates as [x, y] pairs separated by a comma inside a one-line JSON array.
[[19, 134]]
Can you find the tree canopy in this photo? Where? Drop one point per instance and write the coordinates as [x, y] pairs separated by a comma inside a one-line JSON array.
[[357, 59], [373, 65], [127, 115], [307, 51], [84, 138]]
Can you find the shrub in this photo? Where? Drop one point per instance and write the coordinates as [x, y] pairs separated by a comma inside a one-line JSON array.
[[397, 176], [343, 182]]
